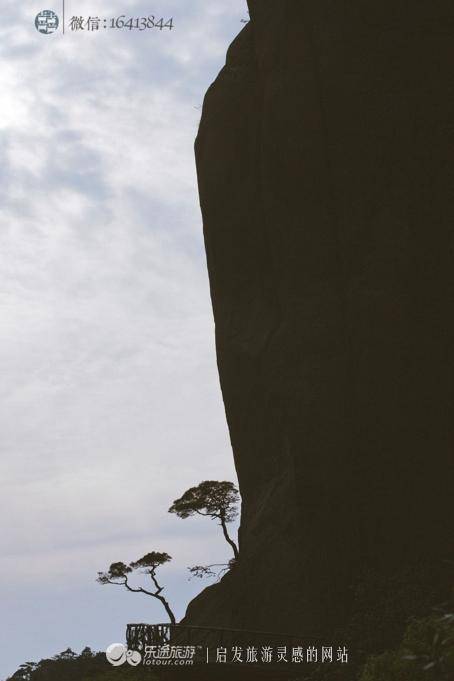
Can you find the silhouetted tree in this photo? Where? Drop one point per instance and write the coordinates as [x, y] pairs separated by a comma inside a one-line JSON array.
[[202, 571], [118, 573], [217, 500], [67, 654], [24, 673]]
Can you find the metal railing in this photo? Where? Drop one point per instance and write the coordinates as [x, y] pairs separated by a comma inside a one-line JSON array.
[[138, 636]]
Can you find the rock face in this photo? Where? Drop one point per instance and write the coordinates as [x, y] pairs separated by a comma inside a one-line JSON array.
[[325, 159]]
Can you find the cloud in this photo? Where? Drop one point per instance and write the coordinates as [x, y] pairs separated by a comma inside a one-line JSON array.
[[109, 404]]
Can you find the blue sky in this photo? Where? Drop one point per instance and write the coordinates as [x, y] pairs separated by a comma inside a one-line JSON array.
[[109, 401]]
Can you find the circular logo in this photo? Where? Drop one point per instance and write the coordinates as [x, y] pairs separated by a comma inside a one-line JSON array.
[[46, 21], [133, 658], [116, 654]]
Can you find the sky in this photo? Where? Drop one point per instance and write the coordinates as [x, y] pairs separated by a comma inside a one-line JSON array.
[[110, 406]]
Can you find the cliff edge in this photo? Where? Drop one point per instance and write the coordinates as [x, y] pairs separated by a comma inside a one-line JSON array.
[[325, 161]]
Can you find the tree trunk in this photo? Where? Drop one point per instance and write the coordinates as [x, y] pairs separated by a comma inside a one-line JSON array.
[[228, 539], [168, 609]]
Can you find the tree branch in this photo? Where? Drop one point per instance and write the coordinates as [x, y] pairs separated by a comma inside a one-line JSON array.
[[159, 588], [148, 593]]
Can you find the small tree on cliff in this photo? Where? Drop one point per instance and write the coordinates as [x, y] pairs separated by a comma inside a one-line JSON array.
[[217, 500], [118, 573]]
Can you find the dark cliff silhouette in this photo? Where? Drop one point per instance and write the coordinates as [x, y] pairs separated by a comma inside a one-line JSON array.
[[325, 164]]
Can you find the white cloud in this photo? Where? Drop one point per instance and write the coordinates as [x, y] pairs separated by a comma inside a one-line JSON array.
[[109, 401]]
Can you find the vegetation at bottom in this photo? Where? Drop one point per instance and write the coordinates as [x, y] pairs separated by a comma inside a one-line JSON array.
[[426, 652], [88, 666]]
